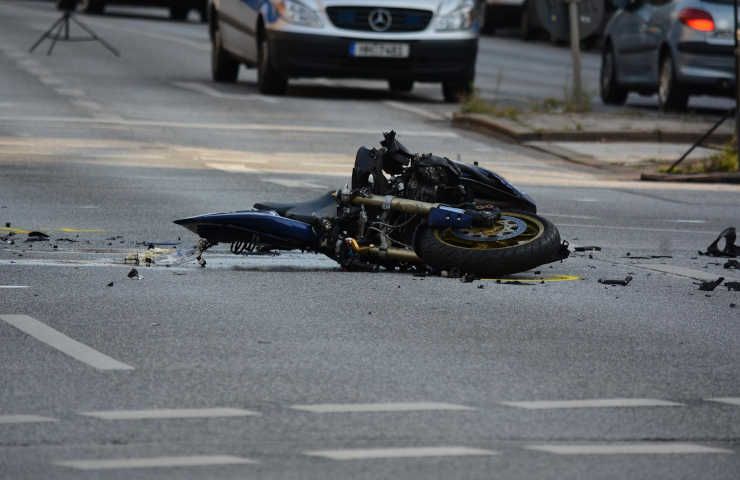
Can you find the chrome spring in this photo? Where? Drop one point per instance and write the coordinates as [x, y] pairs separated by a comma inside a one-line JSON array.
[[240, 246]]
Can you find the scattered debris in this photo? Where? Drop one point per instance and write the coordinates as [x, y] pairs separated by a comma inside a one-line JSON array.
[[468, 278], [733, 286], [623, 283], [481, 286], [110, 284], [729, 250], [734, 264], [710, 286], [133, 273], [155, 324], [37, 237], [7, 224], [646, 257], [64, 239], [513, 282], [591, 248], [732, 305]]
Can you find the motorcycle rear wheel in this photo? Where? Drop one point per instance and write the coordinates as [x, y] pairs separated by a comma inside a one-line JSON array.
[[517, 242]]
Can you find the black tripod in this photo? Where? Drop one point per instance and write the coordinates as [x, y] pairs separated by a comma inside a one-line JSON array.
[[59, 31]]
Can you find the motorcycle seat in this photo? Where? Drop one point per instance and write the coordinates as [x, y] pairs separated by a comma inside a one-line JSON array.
[[306, 212]]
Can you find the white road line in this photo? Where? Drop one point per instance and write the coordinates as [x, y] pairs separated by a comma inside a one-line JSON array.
[[379, 407], [643, 448], [155, 462], [230, 167], [7, 419], [165, 413], [687, 221], [70, 92], [14, 286], [407, 452], [212, 92], [63, 343], [256, 127], [50, 81], [593, 403], [286, 182], [727, 400], [637, 229], [422, 112]]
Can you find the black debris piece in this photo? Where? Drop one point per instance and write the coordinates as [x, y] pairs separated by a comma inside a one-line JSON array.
[[647, 257], [729, 250], [468, 278], [110, 284], [117, 237], [538, 272], [133, 273], [512, 282], [37, 237], [711, 285], [64, 239], [733, 286], [481, 286], [590, 248], [628, 254], [732, 264], [732, 305], [7, 224], [623, 283]]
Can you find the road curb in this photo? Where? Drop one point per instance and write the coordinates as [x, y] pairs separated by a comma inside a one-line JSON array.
[[506, 128], [716, 177]]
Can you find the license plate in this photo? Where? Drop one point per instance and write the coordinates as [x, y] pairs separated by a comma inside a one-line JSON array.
[[379, 49]]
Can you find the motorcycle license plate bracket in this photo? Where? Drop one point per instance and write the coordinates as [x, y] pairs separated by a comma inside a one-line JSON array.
[[443, 216]]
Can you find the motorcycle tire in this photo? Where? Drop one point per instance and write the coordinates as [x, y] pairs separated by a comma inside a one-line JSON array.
[[517, 242]]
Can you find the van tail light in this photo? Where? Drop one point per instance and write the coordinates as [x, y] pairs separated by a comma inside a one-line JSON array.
[[697, 19]]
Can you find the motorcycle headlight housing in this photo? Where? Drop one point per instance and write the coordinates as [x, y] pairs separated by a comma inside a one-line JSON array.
[[298, 13], [455, 15]]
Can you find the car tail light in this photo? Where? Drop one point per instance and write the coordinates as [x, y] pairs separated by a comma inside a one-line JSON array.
[[697, 19]]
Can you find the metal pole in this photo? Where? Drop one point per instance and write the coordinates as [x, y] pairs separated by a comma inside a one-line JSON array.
[[575, 48], [737, 76]]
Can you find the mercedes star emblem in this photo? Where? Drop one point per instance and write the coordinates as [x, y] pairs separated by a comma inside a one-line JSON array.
[[379, 19]]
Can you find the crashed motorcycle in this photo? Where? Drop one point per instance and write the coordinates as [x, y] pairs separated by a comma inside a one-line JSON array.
[[404, 212]]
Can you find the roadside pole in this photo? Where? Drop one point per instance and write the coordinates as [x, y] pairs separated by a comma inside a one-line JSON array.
[[737, 79], [575, 48]]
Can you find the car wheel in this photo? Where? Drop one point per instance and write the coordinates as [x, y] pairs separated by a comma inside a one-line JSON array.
[[401, 86], [269, 80], [612, 93], [457, 91], [92, 6], [672, 97], [525, 28], [179, 12], [224, 68]]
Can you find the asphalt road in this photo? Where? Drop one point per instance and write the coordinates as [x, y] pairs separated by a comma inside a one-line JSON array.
[[285, 367]]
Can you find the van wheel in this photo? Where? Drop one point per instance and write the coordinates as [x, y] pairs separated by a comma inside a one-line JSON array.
[[401, 86], [224, 68], [269, 80], [457, 91]]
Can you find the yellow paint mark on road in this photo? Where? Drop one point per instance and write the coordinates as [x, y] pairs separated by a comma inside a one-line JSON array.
[[80, 230], [20, 231], [538, 279]]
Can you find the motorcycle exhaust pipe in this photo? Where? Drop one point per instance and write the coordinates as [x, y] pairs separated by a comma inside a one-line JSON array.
[[391, 252], [390, 202]]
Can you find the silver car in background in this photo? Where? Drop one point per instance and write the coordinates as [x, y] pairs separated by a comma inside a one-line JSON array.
[[675, 48], [401, 41]]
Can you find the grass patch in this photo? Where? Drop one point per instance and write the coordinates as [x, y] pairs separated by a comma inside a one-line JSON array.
[[722, 161], [475, 104]]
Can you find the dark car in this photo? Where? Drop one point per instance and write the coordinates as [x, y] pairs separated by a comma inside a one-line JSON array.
[[675, 48], [179, 9]]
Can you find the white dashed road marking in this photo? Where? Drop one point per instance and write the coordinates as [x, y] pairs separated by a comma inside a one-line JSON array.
[[727, 400], [63, 343], [379, 407], [639, 448], [286, 182], [6, 419], [212, 92], [14, 286], [422, 112], [156, 462], [407, 452], [162, 413], [593, 403]]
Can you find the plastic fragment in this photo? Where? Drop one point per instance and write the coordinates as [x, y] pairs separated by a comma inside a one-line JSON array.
[[733, 286], [623, 283], [711, 285]]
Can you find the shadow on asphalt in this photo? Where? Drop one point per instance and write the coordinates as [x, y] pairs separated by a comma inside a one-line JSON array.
[[346, 93]]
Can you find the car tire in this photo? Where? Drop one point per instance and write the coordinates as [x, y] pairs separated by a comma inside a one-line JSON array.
[[224, 67], [400, 85], [672, 96], [92, 6], [457, 91], [269, 79], [526, 32], [612, 93], [179, 12]]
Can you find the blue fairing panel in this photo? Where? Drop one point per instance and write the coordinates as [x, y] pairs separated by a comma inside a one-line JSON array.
[[243, 225]]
